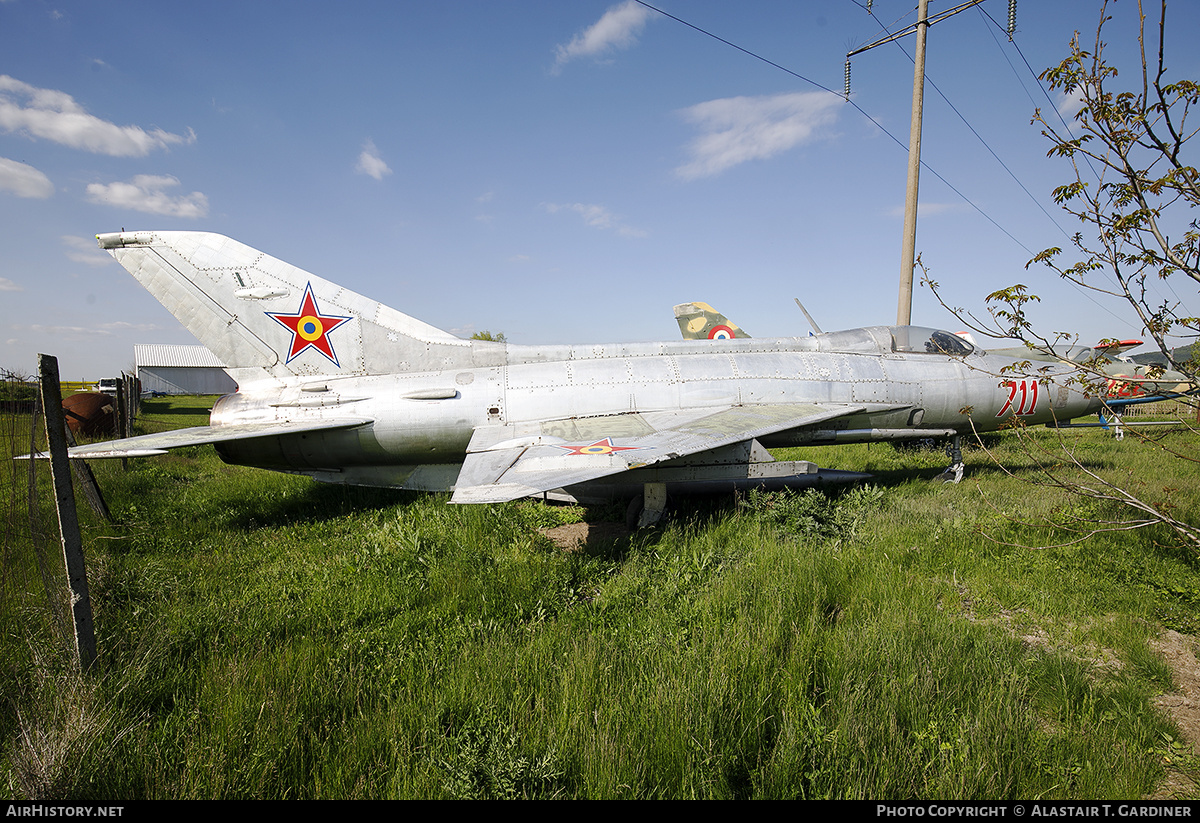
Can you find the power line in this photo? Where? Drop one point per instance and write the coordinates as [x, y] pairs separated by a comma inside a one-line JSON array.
[[736, 46], [1067, 128], [1037, 79], [856, 107], [896, 140], [982, 142]]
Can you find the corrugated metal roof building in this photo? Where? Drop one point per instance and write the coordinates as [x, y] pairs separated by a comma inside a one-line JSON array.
[[180, 370]]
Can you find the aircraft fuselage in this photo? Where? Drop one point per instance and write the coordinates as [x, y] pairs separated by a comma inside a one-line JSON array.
[[424, 421]]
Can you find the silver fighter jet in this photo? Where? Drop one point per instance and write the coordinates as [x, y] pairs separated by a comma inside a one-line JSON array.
[[343, 389]]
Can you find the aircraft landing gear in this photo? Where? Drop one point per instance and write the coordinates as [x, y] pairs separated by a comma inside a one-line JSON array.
[[954, 473], [647, 509]]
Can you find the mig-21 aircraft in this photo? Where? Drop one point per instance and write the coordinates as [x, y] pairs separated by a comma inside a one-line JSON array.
[[343, 389]]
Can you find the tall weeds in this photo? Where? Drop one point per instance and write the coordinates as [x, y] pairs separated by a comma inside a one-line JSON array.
[[263, 636]]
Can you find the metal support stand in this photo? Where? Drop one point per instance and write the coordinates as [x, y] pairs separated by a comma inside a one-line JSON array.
[[647, 509]]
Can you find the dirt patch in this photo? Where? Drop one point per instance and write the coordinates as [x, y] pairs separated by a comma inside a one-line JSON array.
[[1179, 651], [1183, 707], [577, 536]]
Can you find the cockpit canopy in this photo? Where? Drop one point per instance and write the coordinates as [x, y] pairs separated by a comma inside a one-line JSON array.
[[920, 340], [884, 339]]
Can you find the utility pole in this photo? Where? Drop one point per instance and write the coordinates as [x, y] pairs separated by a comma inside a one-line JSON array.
[[908, 251]]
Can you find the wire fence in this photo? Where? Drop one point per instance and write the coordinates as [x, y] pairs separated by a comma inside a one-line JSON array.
[[33, 593], [44, 591], [1176, 409]]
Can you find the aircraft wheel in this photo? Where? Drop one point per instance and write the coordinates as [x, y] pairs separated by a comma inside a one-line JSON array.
[[954, 474], [633, 512]]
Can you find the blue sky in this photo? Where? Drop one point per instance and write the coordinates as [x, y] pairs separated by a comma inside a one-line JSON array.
[[558, 171]]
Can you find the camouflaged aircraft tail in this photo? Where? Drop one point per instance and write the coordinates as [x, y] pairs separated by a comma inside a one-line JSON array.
[[700, 321]]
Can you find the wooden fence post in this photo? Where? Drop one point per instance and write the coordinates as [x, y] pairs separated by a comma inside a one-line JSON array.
[[132, 402], [119, 429], [68, 520]]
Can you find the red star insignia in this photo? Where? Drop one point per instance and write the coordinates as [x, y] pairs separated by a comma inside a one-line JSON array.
[[604, 446], [309, 327]]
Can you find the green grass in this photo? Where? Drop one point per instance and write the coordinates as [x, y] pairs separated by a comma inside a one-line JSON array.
[[265, 636]]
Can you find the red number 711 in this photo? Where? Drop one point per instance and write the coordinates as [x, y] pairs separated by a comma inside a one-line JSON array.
[[1026, 403]]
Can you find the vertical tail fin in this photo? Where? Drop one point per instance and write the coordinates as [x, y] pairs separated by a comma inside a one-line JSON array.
[[267, 319]]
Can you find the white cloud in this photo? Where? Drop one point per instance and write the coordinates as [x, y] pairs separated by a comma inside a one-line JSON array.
[[617, 29], [146, 193], [55, 116], [737, 129], [24, 180], [8, 285], [63, 331], [1068, 105], [121, 325], [103, 329], [84, 250], [598, 217], [483, 199], [370, 163]]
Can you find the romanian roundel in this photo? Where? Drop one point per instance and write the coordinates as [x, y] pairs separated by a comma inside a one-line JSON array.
[[721, 333], [309, 328], [605, 446]]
